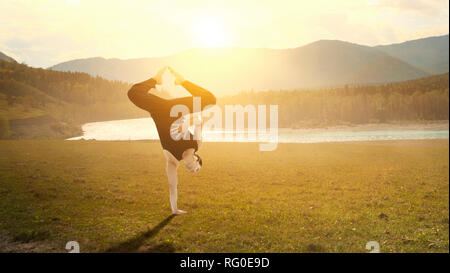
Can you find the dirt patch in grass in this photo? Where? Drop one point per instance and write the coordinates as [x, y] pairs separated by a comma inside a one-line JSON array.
[[27, 242]]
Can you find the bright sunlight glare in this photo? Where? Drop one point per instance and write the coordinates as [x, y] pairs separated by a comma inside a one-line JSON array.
[[73, 2], [210, 32]]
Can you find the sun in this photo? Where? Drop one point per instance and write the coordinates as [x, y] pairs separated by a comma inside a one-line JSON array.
[[210, 32]]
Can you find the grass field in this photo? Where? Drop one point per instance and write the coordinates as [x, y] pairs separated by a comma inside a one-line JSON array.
[[330, 197]]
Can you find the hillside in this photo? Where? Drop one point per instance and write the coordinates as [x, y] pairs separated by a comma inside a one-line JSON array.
[[44, 103], [5, 57], [231, 70], [430, 54]]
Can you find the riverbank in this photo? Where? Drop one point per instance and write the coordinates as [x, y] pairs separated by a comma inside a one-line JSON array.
[[426, 125]]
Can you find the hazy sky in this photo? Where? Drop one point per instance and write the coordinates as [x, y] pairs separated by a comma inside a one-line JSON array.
[[45, 32]]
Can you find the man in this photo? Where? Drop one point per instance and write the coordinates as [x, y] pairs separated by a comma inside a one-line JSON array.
[[170, 127]]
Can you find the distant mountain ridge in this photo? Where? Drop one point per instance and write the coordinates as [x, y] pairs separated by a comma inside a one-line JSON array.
[[6, 58], [430, 54], [229, 70]]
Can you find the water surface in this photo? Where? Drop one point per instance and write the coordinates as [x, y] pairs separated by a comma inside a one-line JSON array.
[[144, 128]]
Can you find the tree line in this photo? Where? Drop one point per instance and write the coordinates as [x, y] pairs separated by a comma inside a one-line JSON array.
[[75, 98], [425, 99]]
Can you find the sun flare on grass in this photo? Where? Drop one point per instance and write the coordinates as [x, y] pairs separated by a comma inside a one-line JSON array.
[[210, 32]]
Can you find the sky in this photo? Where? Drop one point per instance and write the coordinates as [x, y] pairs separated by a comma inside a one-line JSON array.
[[42, 33]]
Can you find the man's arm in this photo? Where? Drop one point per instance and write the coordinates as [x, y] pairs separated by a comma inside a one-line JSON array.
[[196, 91], [139, 95]]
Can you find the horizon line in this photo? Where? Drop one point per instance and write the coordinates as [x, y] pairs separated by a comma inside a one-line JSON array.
[[224, 47]]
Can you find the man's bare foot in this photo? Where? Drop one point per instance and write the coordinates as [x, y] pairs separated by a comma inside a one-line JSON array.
[[179, 211]]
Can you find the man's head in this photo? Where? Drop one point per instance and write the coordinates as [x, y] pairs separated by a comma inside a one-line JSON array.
[[193, 162]]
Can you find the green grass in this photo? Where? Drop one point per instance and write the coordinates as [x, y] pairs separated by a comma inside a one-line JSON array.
[[331, 197]]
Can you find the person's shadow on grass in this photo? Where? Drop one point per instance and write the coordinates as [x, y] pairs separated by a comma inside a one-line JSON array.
[[133, 244]]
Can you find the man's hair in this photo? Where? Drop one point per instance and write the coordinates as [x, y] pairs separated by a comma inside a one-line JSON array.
[[199, 159]]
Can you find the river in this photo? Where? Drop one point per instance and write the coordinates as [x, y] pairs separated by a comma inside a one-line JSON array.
[[144, 128]]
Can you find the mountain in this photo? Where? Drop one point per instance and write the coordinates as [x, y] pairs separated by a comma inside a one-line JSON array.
[[230, 70], [430, 54], [6, 58]]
